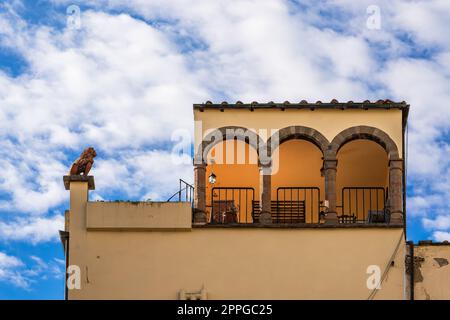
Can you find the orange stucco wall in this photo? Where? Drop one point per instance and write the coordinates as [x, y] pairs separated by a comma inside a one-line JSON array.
[[361, 163]]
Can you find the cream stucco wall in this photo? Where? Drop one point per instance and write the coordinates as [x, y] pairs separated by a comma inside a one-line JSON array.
[[329, 122], [138, 215], [231, 263], [432, 279]]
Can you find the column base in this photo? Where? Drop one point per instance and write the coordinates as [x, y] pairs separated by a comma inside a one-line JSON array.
[[265, 217], [396, 218], [331, 218], [199, 217]]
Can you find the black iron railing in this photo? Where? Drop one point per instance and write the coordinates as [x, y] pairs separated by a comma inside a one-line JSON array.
[[293, 205], [184, 193], [298, 205], [232, 204], [238, 205], [298, 201], [364, 205]]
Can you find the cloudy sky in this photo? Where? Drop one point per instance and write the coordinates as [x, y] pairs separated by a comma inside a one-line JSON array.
[[122, 75]]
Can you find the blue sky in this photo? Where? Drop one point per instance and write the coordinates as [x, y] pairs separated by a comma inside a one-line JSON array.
[[124, 80]]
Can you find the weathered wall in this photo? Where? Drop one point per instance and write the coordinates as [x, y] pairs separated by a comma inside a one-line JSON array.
[[138, 215], [432, 272], [231, 263]]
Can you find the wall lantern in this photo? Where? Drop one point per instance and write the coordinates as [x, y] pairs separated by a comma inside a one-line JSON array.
[[212, 178]]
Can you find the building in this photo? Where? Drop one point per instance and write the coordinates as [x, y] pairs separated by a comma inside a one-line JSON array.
[[428, 272], [290, 201]]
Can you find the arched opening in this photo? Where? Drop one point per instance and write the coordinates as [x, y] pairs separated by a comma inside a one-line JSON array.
[[362, 181], [297, 183], [234, 164]]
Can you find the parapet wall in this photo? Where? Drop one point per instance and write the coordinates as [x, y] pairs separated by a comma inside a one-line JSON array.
[[138, 216]]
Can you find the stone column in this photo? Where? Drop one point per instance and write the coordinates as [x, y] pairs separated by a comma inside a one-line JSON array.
[[200, 193], [329, 171], [396, 190], [266, 194]]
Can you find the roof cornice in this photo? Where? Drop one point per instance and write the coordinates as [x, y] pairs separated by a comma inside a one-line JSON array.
[[334, 104]]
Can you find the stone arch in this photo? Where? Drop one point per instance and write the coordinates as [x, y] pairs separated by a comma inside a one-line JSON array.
[[363, 132], [227, 133], [395, 164], [298, 132], [278, 138]]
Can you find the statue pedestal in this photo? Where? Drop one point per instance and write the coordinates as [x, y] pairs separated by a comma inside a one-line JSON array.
[[78, 178]]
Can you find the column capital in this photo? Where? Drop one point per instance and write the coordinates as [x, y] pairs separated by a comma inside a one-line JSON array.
[[262, 164], [198, 161], [396, 164], [79, 178], [330, 164], [200, 166]]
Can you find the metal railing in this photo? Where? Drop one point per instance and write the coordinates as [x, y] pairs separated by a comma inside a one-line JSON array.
[[238, 205], [297, 205], [363, 205], [184, 193], [232, 204]]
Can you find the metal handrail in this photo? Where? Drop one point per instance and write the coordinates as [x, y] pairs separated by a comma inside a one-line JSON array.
[[239, 199], [309, 194], [351, 207], [189, 191]]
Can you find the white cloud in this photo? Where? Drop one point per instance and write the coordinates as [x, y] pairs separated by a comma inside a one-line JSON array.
[[9, 261], [33, 229], [109, 87], [137, 172], [8, 273], [15, 271], [45, 269], [124, 85], [425, 20], [440, 223], [441, 236], [31, 177]]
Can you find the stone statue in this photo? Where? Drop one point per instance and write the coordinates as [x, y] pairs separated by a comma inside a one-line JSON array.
[[84, 163]]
